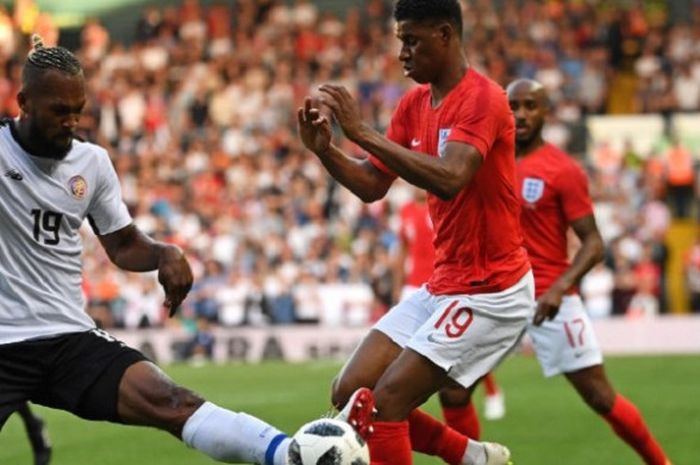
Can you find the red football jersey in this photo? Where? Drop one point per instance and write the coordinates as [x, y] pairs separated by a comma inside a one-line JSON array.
[[478, 241], [416, 231], [554, 192]]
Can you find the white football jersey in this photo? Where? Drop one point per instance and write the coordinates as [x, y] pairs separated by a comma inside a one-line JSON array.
[[43, 203]]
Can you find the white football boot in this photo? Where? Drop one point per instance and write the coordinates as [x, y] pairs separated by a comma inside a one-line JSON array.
[[497, 454]]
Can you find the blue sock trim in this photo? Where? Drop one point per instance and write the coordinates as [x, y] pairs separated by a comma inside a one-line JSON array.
[[272, 448]]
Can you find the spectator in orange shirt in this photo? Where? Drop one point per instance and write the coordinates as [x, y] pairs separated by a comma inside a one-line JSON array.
[[680, 177]]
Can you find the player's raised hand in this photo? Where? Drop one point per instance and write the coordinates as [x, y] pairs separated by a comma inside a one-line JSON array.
[[345, 109], [175, 275], [548, 305], [314, 128]]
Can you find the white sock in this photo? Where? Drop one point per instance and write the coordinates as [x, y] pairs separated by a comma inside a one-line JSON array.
[[475, 454], [232, 437]]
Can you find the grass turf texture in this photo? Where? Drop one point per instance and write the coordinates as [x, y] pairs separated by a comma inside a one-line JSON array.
[[546, 423]]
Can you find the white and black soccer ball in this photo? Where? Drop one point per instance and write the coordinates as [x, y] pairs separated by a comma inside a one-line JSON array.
[[328, 442]]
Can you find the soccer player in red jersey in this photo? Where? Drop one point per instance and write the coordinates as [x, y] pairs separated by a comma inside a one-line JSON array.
[[415, 257], [453, 136], [414, 265], [554, 195]]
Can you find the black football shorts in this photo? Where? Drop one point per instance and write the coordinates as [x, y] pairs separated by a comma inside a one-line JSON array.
[[76, 372]]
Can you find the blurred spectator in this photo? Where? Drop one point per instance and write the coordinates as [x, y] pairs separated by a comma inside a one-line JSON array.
[[596, 290], [95, 40], [625, 285], [200, 348], [7, 35], [46, 27], [307, 299], [692, 275], [681, 178], [204, 291], [645, 302], [142, 301]]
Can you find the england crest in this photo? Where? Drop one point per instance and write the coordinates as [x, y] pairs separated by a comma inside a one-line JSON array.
[[443, 135], [533, 188]]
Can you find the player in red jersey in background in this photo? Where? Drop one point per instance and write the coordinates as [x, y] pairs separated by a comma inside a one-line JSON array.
[[415, 255], [454, 137], [554, 195], [414, 265]]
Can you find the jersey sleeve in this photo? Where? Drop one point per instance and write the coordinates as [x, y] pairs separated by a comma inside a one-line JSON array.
[[575, 199], [107, 212], [478, 122]]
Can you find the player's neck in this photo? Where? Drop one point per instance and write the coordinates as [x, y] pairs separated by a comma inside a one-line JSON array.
[[22, 134], [20, 131], [527, 149], [448, 80]]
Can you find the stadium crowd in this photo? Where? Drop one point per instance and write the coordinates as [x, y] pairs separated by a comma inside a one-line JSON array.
[[199, 114]]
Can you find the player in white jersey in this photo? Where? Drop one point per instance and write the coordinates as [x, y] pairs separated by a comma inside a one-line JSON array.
[[51, 353]]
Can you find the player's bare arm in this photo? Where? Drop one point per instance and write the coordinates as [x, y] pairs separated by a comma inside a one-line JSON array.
[[590, 253], [360, 176], [132, 250], [443, 176]]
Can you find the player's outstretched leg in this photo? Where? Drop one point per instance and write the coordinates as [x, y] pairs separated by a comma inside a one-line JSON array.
[[38, 435], [432, 437], [494, 402], [148, 397], [622, 415], [406, 384]]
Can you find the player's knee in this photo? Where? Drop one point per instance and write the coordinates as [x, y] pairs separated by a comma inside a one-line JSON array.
[[341, 390], [454, 396]]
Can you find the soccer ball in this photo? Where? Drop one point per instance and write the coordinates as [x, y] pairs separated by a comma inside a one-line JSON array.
[[328, 442]]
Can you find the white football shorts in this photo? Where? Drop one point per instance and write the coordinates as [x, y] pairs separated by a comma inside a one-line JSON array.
[[407, 290], [466, 335], [567, 343]]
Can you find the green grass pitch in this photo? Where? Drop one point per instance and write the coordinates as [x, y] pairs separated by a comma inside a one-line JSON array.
[[546, 423]]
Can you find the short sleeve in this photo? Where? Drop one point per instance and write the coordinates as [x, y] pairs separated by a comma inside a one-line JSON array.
[[107, 212], [478, 121], [573, 190]]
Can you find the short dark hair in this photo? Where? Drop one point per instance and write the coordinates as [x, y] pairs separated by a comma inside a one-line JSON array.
[[42, 59], [420, 10]]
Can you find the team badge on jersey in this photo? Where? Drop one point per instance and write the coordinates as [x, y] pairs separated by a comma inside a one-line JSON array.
[[443, 135], [533, 188], [78, 187]]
